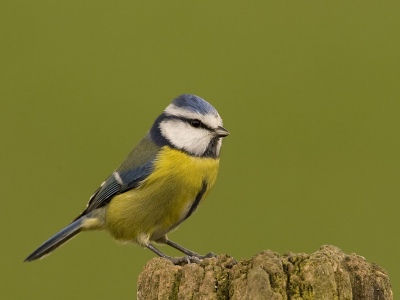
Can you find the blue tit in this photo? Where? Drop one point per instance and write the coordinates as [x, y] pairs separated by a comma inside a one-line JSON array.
[[160, 183]]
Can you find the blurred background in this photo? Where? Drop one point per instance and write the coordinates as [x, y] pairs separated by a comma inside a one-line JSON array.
[[309, 91]]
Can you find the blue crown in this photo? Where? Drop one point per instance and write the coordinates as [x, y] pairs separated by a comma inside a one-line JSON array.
[[195, 104]]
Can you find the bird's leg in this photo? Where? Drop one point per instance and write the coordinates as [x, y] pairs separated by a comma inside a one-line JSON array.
[[188, 252], [176, 260]]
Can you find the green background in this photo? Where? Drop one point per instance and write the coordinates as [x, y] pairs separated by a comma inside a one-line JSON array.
[[308, 89]]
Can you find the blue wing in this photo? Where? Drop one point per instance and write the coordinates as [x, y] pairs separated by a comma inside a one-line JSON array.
[[137, 166], [117, 183]]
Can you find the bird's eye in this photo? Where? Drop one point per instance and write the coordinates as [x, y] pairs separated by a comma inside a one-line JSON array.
[[195, 123]]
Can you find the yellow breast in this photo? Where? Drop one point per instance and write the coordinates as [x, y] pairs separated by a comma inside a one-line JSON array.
[[163, 199]]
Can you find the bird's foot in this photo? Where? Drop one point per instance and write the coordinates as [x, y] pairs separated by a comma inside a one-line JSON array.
[[208, 255], [184, 260], [193, 258]]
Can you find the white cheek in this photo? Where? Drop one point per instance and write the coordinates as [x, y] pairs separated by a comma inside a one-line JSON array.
[[183, 136]]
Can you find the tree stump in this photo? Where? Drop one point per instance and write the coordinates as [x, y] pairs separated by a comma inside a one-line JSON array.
[[326, 274]]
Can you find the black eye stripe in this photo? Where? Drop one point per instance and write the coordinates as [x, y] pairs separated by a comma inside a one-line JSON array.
[[187, 120], [195, 123], [201, 125]]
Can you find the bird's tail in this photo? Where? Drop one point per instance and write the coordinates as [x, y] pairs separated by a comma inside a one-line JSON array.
[[57, 240]]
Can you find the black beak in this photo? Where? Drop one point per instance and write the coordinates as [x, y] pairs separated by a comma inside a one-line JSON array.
[[221, 132]]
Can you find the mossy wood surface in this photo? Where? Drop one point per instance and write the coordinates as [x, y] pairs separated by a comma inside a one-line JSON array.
[[325, 274]]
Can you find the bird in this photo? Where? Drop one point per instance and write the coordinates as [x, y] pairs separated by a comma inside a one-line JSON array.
[[159, 185]]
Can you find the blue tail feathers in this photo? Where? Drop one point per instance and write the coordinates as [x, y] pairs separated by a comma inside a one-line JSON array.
[[56, 241]]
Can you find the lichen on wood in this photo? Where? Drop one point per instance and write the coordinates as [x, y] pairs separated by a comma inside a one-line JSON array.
[[326, 274]]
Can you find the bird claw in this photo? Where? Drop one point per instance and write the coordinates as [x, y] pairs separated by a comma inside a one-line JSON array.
[[185, 260], [208, 255], [189, 259]]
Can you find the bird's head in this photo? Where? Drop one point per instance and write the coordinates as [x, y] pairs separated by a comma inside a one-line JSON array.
[[190, 124]]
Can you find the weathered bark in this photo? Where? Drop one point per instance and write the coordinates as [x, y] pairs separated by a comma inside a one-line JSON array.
[[325, 274]]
